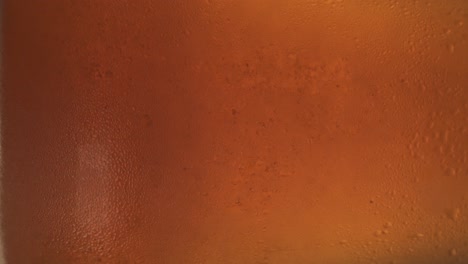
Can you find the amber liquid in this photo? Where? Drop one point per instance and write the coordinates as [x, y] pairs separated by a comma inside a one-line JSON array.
[[236, 132]]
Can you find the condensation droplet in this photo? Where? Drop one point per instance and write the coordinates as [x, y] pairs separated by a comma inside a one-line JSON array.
[[454, 214], [452, 48]]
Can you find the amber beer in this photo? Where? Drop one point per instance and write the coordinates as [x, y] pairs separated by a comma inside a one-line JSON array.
[[244, 132]]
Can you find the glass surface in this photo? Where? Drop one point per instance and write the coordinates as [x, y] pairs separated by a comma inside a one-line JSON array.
[[235, 132]]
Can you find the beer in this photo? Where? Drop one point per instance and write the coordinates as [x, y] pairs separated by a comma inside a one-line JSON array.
[[247, 131]]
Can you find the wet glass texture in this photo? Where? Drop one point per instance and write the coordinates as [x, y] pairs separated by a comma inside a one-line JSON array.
[[235, 131]]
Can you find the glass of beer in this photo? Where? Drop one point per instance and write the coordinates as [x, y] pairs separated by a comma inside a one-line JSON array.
[[237, 132]]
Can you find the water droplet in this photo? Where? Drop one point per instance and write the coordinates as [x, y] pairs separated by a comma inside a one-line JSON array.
[[454, 214], [452, 48], [453, 252]]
